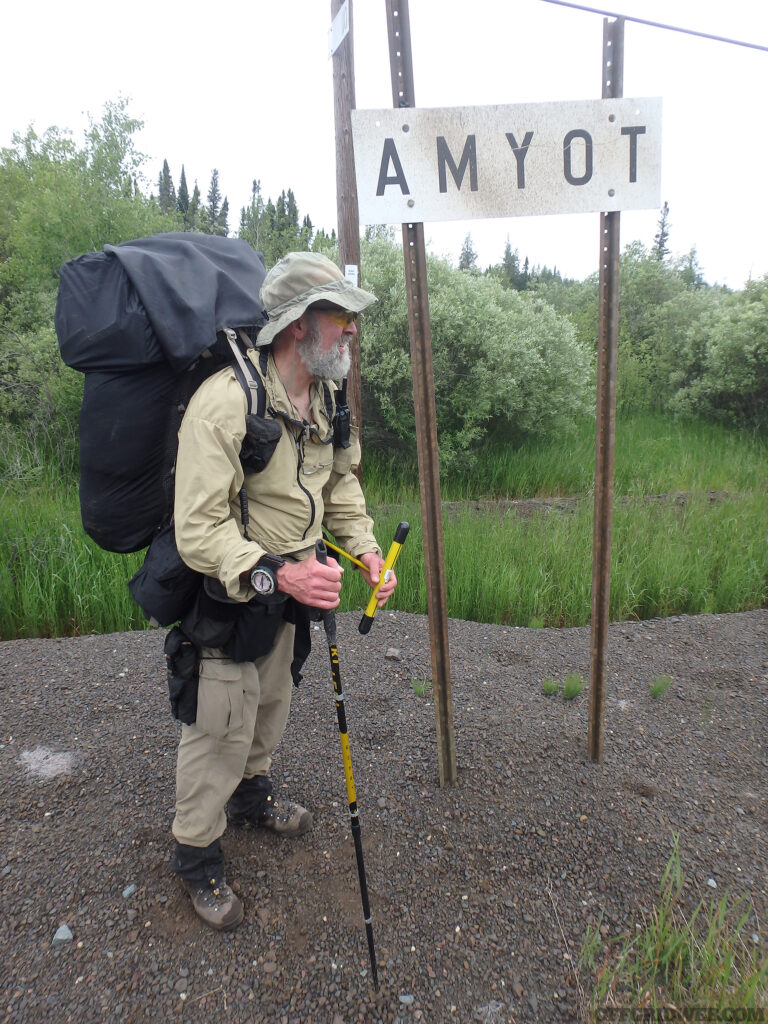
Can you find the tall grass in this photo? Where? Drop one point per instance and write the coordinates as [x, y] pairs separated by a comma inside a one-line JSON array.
[[666, 560], [654, 455], [699, 555], [54, 580]]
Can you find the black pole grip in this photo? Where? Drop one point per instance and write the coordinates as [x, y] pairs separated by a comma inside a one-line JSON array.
[[321, 552]]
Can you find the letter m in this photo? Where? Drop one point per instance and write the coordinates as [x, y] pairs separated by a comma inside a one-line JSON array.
[[445, 159]]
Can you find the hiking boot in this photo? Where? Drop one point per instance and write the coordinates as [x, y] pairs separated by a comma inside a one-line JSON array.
[[215, 904], [285, 818], [252, 802], [201, 870]]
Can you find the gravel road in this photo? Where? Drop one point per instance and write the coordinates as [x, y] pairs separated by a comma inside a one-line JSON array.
[[481, 892]]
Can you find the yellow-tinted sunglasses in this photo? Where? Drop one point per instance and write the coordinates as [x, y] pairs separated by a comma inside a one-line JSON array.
[[341, 317]]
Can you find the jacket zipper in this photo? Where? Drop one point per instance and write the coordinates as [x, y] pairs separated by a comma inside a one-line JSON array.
[[310, 499]]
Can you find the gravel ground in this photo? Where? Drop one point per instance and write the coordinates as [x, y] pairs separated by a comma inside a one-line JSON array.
[[481, 892]]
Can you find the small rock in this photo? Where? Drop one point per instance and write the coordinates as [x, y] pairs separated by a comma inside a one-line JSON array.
[[62, 936], [393, 654], [181, 985], [407, 1000], [711, 883], [129, 890], [533, 1002]]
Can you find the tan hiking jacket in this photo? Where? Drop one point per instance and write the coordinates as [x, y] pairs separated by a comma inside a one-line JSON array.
[[305, 485]]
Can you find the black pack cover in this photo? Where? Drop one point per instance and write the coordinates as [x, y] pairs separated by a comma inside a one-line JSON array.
[[141, 320]]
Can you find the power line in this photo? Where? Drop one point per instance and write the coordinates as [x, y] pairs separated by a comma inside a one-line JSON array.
[[657, 24]]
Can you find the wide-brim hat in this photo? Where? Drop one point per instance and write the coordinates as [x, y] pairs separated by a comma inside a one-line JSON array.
[[299, 280]]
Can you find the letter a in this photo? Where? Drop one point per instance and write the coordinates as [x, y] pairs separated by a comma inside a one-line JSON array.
[[389, 153]]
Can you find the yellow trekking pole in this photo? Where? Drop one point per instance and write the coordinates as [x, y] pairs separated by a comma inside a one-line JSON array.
[[329, 622], [386, 571]]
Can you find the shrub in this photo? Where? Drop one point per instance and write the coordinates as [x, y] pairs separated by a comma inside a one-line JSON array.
[[504, 361]]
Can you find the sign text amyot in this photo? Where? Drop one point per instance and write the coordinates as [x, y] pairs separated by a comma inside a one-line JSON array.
[[462, 163]]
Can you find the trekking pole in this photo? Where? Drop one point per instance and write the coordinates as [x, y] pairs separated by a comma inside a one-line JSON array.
[[386, 571], [329, 623]]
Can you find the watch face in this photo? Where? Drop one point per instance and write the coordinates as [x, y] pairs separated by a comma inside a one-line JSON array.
[[262, 581]]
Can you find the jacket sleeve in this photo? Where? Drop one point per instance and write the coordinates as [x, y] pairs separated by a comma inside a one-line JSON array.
[[345, 511], [209, 476]]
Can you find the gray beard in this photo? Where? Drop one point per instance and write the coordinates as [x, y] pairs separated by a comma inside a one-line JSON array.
[[330, 365]]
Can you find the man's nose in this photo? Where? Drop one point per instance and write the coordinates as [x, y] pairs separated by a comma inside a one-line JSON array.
[[351, 328]]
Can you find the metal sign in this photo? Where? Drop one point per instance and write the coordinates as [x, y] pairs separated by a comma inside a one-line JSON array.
[[463, 163], [339, 29]]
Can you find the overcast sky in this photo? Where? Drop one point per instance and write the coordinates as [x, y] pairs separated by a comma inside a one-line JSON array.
[[246, 86]]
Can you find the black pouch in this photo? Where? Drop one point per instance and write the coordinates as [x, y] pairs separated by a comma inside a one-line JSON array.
[[182, 659], [259, 443], [341, 420], [256, 628], [211, 620], [164, 587]]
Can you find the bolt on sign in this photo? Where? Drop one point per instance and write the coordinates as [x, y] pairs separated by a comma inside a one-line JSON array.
[[463, 163]]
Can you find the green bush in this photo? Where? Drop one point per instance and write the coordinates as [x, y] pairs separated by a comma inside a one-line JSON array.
[[732, 384], [505, 363]]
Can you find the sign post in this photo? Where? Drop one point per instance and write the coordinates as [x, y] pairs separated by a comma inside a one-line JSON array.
[[607, 358], [347, 216], [504, 161], [401, 66]]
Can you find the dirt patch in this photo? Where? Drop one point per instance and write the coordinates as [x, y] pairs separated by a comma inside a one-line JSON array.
[[481, 893]]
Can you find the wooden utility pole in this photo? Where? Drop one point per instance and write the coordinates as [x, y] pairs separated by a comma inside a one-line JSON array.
[[607, 357], [347, 216], [401, 69]]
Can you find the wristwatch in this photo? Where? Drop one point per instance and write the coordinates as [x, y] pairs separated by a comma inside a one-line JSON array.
[[264, 574]]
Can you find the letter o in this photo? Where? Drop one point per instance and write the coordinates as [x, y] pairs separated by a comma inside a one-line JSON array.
[[570, 177]]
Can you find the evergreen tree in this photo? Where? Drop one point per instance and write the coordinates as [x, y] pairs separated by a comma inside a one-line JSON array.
[[182, 197], [252, 218], [216, 212], [222, 226], [166, 194], [468, 256], [660, 239], [194, 214]]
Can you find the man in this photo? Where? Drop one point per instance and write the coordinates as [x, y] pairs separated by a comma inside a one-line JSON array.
[[266, 565]]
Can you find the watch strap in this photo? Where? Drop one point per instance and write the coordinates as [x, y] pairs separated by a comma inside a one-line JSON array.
[[271, 563]]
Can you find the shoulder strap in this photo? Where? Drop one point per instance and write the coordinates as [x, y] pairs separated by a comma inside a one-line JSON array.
[[251, 382]]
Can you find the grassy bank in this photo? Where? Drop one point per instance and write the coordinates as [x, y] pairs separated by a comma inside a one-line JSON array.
[[708, 553]]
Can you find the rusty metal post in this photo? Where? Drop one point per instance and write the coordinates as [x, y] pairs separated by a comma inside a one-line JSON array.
[[401, 67], [347, 214], [607, 353]]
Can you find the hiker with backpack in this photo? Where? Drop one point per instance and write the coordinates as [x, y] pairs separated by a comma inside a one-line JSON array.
[[252, 535]]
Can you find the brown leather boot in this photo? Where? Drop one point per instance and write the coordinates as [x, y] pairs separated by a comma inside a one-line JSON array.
[[215, 904], [252, 802], [201, 870]]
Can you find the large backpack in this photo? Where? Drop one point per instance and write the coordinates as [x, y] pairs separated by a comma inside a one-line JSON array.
[[143, 321], [147, 322]]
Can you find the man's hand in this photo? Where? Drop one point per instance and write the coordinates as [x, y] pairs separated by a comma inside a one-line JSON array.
[[375, 563], [311, 582]]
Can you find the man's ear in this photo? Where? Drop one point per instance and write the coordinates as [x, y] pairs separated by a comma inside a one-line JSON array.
[[300, 327]]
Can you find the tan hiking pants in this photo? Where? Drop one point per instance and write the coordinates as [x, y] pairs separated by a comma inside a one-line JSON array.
[[242, 710]]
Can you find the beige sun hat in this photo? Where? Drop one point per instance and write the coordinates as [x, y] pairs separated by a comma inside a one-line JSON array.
[[298, 280]]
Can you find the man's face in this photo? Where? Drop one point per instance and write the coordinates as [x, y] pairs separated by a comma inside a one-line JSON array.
[[325, 349]]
